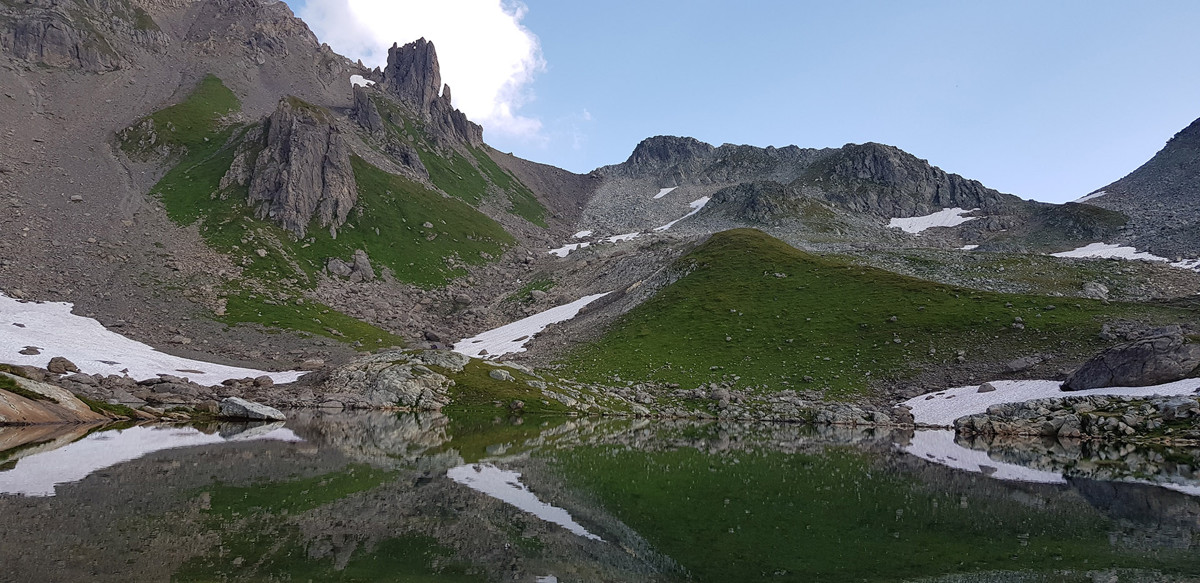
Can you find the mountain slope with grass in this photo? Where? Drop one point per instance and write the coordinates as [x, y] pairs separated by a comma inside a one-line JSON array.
[[750, 308]]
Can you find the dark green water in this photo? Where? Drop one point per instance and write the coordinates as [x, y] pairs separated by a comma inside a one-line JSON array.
[[380, 497]]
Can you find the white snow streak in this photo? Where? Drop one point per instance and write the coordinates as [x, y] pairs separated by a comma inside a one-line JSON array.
[[943, 218], [512, 337], [625, 237], [581, 234], [968, 247], [39, 474], [1107, 251], [696, 206], [941, 408], [506, 486], [1092, 196], [51, 327], [568, 248], [665, 191], [361, 81]]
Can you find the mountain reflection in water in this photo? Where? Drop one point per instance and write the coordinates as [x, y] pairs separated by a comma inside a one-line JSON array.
[[377, 496]]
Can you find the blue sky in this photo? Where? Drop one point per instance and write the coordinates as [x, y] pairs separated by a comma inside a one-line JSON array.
[[1043, 99]]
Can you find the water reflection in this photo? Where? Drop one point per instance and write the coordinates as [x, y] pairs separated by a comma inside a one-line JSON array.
[[364, 497]]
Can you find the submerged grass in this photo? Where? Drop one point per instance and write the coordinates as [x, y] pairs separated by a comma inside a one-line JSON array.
[[750, 306], [295, 495]]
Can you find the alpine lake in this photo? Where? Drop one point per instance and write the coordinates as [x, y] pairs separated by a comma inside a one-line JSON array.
[[338, 496]]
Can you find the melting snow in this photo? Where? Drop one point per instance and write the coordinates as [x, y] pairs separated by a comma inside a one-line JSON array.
[[696, 206], [625, 237], [941, 408], [665, 191], [1092, 196], [506, 486], [512, 337], [938, 446], [52, 327], [38, 474], [968, 247], [581, 234], [568, 248], [1107, 251], [360, 81], [943, 218]]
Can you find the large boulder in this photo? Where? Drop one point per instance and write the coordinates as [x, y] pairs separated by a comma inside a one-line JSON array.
[[235, 408], [1163, 355], [394, 379]]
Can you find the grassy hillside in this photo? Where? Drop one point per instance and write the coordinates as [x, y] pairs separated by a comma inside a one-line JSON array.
[[468, 180], [753, 307]]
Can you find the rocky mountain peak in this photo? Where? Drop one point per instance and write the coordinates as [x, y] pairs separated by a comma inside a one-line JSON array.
[[413, 74], [666, 151]]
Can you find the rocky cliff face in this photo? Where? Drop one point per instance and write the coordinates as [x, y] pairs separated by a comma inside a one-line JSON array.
[[1162, 198], [303, 172], [413, 77]]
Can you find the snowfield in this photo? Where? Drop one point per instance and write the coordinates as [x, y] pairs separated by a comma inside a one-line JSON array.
[[568, 248], [625, 237], [506, 486], [581, 234], [40, 473], [55, 331], [941, 408], [361, 81], [943, 218], [696, 206], [1092, 196], [665, 191], [1107, 251], [512, 337]]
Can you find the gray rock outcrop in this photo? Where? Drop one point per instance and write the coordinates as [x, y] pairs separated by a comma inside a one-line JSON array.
[[1161, 356], [413, 76], [365, 112], [238, 408], [397, 379], [303, 172]]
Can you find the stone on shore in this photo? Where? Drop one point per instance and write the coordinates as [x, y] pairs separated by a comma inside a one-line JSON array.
[[237, 408]]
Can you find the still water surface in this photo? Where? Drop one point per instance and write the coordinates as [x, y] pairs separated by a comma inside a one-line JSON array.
[[388, 497]]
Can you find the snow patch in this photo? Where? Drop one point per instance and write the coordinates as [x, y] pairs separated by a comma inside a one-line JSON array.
[[512, 337], [941, 408], [943, 218], [696, 206], [568, 248], [968, 247], [361, 81], [1107, 251], [506, 486], [581, 234], [625, 237], [938, 446], [665, 191], [39, 474], [52, 327], [1092, 196]]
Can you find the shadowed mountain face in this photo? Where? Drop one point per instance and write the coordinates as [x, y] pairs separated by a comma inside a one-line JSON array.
[[1162, 198]]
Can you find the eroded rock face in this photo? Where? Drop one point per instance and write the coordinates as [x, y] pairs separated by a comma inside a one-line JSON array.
[[303, 173], [414, 76], [397, 379], [1162, 356], [57, 405], [365, 112]]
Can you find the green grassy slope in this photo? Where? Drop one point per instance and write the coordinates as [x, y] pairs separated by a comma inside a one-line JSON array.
[[752, 306], [457, 176]]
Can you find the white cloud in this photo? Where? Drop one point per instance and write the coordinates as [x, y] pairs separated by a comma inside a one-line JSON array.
[[488, 58]]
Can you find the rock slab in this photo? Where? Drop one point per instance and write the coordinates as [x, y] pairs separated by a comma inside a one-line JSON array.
[[237, 408], [1163, 355]]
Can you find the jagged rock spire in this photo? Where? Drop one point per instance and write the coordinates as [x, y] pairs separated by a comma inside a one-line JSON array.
[[413, 73]]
